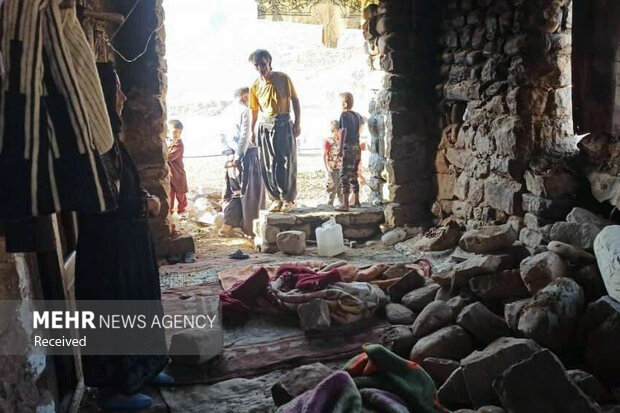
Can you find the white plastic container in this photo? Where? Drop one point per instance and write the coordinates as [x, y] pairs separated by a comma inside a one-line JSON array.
[[329, 239]]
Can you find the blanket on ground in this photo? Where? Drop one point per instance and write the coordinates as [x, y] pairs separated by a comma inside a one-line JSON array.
[[378, 380]]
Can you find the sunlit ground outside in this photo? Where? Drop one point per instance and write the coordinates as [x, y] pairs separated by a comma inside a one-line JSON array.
[[207, 47]]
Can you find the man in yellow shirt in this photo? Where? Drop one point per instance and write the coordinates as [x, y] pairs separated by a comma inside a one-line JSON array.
[[273, 93]]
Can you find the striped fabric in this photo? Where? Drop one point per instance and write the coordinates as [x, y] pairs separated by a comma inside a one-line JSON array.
[[56, 143]]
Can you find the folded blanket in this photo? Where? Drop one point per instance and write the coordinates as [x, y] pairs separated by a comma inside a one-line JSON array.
[[379, 368], [348, 302], [305, 279], [382, 382], [335, 394]]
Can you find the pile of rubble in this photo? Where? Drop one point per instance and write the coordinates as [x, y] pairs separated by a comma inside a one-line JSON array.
[[517, 304]]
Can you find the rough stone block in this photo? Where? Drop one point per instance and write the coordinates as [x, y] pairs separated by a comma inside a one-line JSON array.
[[488, 239], [510, 136], [298, 381], [449, 342], [541, 269], [419, 298], [579, 235], [503, 194], [399, 339], [481, 367], [434, 316], [292, 242], [453, 392], [482, 324], [399, 314], [446, 183], [554, 183], [527, 387], [547, 208], [551, 315], [196, 345], [439, 369], [607, 251], [502, 285]]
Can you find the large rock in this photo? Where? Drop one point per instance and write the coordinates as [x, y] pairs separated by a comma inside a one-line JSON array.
[[571, 253], [453, 393], [481, 367], [538, 271], [482, 324], [450, 343], [607, 251], [433, 317], [438, 240], [551, 316], [579, 235], [488, 239], [298, 381], [474, 266], [439, 369], [602, 323], [590, 280], [459, 302], [553, 183], [540, 384], [583, 216], [409, 282], [393, 237], [556, 208], [398, 339], [399, 314], [501, 285], [196, 345], [591, 386], [532, 238], [291, 242], [417, 299]]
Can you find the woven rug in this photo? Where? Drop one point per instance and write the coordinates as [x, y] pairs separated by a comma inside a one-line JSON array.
[[267, 343]]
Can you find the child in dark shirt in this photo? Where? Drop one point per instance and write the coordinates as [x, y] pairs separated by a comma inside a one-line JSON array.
[[350, 124]]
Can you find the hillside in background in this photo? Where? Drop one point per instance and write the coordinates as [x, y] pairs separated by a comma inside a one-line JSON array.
[[208, 43]]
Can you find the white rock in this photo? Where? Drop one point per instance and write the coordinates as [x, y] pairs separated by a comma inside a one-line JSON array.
[[607, 251]]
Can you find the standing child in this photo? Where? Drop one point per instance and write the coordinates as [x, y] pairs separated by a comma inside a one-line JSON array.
[[178, 180], [350, 125], [333, 163]]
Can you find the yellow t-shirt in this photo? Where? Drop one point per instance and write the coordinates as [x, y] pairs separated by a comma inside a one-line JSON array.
[[272, 97]]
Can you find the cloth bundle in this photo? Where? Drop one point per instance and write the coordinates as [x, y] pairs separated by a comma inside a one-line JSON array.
[[376, 380], [56, 143]]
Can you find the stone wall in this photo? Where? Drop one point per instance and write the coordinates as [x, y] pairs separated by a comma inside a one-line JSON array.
[[507, 110], [405, 36], [144, 82]]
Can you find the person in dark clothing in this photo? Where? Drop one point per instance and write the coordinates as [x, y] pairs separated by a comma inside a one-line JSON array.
[[350, 124], [116, 261], [178, 179]]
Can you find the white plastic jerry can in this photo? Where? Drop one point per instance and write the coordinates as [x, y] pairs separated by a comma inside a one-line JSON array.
[[329, 239]]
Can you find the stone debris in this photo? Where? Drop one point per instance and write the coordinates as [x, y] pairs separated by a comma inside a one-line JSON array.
[[291, 242]]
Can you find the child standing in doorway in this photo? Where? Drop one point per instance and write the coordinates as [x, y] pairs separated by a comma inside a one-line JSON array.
[[350, 125], [178, 180], [333, 163]]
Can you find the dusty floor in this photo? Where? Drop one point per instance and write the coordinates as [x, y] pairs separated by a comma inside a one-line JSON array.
[[242, 394]]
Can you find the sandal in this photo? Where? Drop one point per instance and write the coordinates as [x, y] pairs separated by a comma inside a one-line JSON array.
[[238, 255], [189, 258]]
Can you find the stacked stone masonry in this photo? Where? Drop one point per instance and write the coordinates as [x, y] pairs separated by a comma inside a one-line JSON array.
[[356, 225], [403, 33], [507, 110]]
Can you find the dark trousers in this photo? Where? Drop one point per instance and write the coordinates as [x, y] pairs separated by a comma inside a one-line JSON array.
[[278, 155]]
